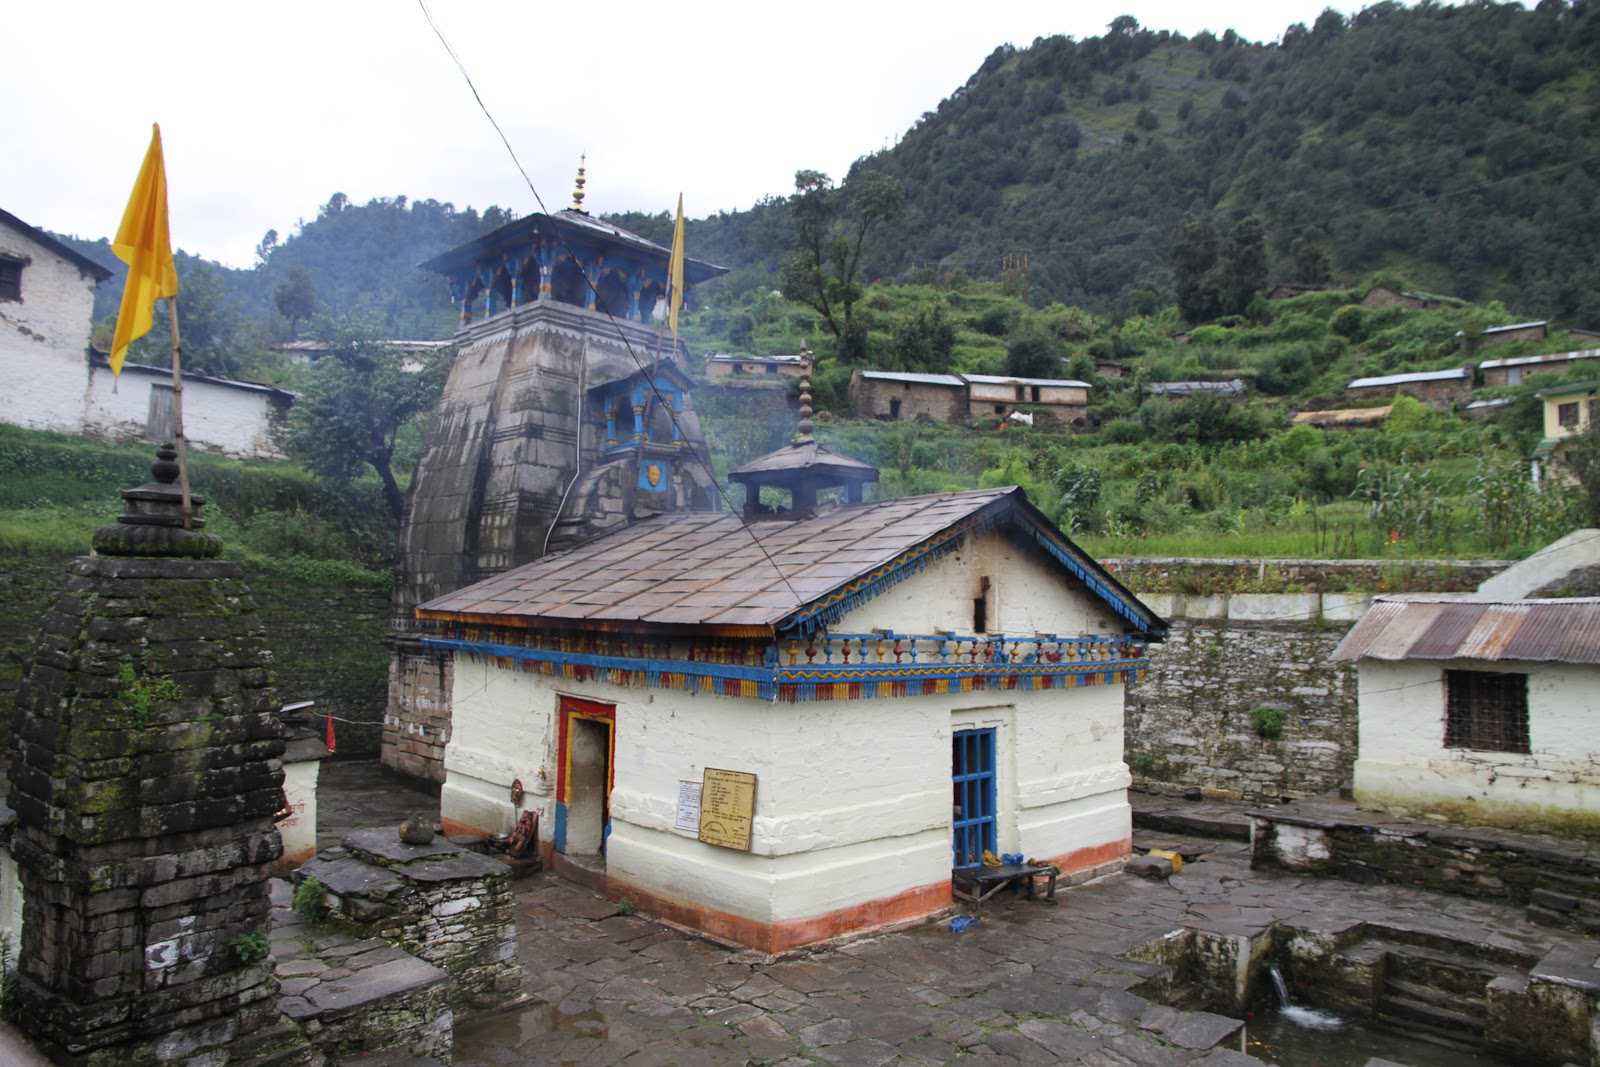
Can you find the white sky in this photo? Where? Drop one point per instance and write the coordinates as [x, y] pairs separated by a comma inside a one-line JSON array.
[[268, 108]]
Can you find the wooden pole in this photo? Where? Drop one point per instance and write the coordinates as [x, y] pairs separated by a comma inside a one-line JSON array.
[[177, 409]]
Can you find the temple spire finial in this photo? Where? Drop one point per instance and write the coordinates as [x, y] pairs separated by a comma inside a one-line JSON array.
[[803, 430], [577, 188]]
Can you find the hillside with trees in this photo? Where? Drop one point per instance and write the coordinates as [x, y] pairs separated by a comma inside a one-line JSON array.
[[1456, 144]]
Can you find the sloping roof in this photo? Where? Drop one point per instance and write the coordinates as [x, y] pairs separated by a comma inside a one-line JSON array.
[[65, 251], [706, 569], [1002, 379], [1553, 357], [1516, 326], [806, 454], [1411, 376], [1484, 405], [1569, 389], [722, 357], [915, 379], [1231, 387], [1343, 416], [99, 360], [1431, 627], [328, 346], [568, 224]]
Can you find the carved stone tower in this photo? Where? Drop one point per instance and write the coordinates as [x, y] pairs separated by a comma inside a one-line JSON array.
[[146, 779], [565, 415]]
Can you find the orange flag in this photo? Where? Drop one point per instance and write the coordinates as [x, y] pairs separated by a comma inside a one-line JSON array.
[[145, 245], [675, 274]]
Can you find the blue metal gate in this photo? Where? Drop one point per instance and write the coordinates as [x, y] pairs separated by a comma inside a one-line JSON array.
[[972, 777]]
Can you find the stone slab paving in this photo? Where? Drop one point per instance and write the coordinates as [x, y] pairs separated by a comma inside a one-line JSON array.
[[1030, 984]]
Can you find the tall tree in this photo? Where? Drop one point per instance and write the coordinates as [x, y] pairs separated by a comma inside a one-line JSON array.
[[830, 230], [296, 298], [1244, 270], [1194, 268], [356, 402]]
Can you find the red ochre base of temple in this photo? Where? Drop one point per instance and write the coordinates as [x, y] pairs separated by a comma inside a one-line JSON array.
[[774, 937]]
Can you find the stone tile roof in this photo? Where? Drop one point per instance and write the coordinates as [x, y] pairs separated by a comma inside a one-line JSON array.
[[704, 568], [802, 455], [1432, 627]]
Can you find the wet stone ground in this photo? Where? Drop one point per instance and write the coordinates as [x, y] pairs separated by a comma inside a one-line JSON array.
[[1030, 984]]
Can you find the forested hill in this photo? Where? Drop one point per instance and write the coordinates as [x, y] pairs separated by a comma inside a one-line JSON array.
[[1459, 145]]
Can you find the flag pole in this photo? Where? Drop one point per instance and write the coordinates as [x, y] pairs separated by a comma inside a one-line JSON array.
[[177, 409]]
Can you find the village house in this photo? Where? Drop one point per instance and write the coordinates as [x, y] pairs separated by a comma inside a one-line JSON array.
[[1110, 368], [1233, 389], [804, 726], [51, 379], [893, 395], [1442, 389], [1519, 369], [1503, 335], [1051, 401], [1343, 418], [752, 372], [1382, 296], [1483, 410], [1478, 707], [308, 351], [1568, 411]]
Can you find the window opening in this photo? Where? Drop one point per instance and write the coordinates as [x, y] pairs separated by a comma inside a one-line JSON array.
[[10, 279], [980, 607], [1567, 415], [1486, 711], [972, 786], [1035, 390], [894, 408]]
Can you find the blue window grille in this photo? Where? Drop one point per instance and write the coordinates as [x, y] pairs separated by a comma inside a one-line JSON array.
[[972, 779]]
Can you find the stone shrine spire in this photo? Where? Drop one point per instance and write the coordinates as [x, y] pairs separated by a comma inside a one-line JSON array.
[[803, 430], [577, 187]]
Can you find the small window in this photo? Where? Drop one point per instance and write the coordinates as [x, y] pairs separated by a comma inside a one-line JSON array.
[[1486, 711], [894, 408], [10, 279], [999, 409], [1035, 391], [980, 607], [1566, 414], [772, 368]]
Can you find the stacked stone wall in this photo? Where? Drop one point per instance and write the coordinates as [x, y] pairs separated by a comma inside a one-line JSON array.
[[416, 727], [1194, 721], [870, 399], [327, 640]]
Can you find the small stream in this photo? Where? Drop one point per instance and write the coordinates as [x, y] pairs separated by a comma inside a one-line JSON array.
[[1291, 1035]]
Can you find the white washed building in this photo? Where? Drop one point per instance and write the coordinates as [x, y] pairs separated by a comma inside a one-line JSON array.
[[908, 681], [1478, 707], [51, 380]]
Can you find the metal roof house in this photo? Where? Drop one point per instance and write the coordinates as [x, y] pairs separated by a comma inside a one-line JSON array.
[[1518, 369], [755, 727], [1441, 388], [893, 395], [1478, 706]]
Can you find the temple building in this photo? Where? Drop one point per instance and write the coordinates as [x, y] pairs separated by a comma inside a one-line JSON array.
[[565, 415], [804, 722]]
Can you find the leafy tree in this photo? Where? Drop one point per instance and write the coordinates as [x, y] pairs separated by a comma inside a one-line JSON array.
[[215, 334], [296, 298], [830, 231], [1194, 268], [924, 342], [268, 245], [1031, 352], [1245, 268], [1312, 263], [1146, 119], [1581, 455], [356, 401]]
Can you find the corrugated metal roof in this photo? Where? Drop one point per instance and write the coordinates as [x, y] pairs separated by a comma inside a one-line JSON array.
[[917, 379], [706, 569], [1479, 405], [1413, 376], [1517, 326], [723, 357], [1552, 357], [1424, 627], [1231, 387], [1001, 379]]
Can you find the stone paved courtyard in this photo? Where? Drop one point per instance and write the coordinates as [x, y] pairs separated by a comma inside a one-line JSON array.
[[1030, 984]]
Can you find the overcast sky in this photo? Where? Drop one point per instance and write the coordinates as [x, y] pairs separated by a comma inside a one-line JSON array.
[[268, 108]]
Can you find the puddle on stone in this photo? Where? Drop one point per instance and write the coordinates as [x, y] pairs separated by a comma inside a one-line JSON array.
[[1276, 1038], [514, 1029]]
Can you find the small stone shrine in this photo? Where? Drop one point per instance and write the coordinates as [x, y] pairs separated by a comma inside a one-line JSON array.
[[146, 778]]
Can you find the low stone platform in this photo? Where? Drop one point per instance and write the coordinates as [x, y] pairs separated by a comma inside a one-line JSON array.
[[1175, 815], [441, 902], [1556, 879], [355, 995]]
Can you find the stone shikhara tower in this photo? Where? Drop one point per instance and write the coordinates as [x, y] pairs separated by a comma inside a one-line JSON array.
[[553, 428], [145, 782]]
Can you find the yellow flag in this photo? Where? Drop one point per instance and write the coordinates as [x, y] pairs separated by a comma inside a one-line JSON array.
[[145, 245], [675, 275]]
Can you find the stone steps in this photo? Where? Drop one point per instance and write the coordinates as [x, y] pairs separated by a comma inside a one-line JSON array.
[[1451, 975], [1395, 988], [1431, 1026]]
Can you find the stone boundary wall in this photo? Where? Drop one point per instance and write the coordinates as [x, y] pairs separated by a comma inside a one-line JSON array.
[[327, 641], [1190, 724]]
